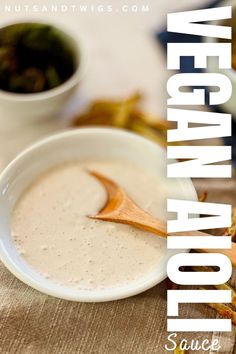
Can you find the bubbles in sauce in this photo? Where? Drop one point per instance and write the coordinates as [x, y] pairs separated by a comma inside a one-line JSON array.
[[52, 232]]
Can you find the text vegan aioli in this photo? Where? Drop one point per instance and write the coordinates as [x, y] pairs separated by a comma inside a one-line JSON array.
[[202, 161]]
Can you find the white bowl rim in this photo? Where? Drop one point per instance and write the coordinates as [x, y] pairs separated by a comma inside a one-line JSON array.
[[77, 76], [96, 296]]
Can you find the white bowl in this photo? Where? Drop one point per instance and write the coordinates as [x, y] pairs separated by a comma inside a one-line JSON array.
[[17, 109], [75, 145]]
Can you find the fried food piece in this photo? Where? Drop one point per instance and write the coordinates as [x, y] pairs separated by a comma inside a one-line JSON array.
[[124, 114], [234, 61], [226, 286], [179, 351], [232, 230], [202, 197], [225, 311]]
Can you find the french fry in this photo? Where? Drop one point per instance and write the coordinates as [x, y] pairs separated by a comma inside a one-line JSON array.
[[158, 124], [232, 230], [93, 119], [225, 311], [179, 351], [226, 286], [124, 114], [121, 118], [149, 133], [112, 106], [202, 269], [202, 197]]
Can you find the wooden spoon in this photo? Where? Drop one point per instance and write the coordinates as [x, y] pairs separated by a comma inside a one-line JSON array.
[[120, 208]]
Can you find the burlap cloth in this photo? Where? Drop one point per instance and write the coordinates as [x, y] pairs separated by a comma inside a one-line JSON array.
[[33, 323]]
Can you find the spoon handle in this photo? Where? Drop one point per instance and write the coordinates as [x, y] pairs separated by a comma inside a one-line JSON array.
[[146, 222], [122, 209]]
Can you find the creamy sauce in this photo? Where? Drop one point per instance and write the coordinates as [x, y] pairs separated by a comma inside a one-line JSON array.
[[52, 232]]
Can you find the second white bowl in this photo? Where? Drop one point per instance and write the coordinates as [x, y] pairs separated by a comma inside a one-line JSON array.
[[17, 109]]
